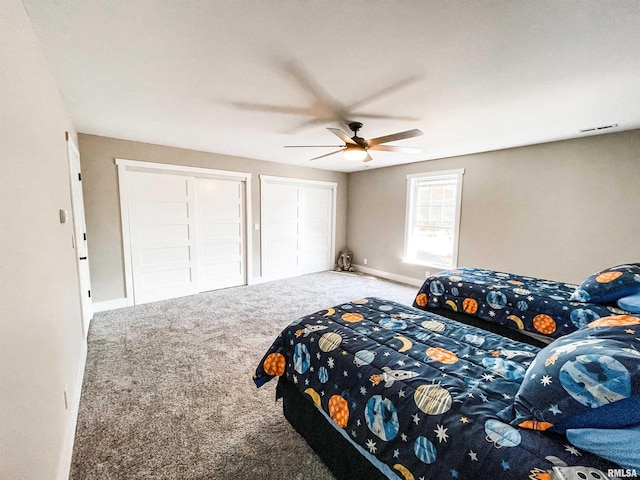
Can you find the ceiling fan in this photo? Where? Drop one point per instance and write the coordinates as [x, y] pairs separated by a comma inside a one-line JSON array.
[[323, 107], [357, 148]]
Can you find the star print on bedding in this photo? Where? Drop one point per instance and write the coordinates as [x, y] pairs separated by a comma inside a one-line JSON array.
[[417, 392], [543, 307]]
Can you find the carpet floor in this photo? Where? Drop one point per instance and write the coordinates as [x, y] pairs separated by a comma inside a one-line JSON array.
[[168, 390]]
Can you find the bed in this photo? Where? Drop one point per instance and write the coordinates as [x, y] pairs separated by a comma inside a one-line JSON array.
[[538, 308], [384, 390]]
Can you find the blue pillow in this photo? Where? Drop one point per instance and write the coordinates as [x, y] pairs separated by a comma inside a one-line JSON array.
[[588, 378], [630, 303], [609, 285], [618, 445]]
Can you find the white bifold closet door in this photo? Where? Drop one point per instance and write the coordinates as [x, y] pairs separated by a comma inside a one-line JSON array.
[[220, 233], [298, 220], [163, 240], [315, 229], [186, 234]]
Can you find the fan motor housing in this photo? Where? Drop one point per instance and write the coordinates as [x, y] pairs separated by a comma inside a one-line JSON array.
[[355, 126]]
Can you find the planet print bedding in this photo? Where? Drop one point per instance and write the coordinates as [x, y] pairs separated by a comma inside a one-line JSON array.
[[418, 394], [528, 304]]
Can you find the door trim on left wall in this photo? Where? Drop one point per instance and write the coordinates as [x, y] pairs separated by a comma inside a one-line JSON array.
[[125, 166], [79, 235]]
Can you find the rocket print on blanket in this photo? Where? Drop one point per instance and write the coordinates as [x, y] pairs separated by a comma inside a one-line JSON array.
[[390, 376], [418, 393]]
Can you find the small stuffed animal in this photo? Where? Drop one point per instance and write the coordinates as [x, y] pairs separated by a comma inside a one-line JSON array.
[[344, 261]]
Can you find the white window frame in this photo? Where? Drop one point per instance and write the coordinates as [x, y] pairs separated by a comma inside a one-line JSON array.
[[411, 211]]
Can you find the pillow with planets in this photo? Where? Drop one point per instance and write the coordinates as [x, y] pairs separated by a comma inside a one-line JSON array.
[[589, 378], [609, 285]]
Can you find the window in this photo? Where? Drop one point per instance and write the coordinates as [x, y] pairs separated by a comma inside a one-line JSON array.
[[433, 218]]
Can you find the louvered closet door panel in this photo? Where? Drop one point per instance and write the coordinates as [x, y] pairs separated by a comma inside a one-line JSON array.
[[280, 230], [315, 227], [161, 216], [220, 205], [297, 227]]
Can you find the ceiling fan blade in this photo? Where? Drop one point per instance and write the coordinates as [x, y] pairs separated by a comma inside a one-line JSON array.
[[385, 117], [342, 136], [324, 107], [390, 148], [307, 124], [307, 82], [368, 158], [326, 155], [383, 92], [272, 108], [394, 136], [313, 146]]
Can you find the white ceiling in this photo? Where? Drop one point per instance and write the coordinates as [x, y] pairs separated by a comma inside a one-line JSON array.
[[472, 75]]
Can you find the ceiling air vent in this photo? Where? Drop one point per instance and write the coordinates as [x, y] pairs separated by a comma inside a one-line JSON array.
[[595, 129]]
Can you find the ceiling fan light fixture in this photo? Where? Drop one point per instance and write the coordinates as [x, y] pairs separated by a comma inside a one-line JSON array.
[[356, 149], [355, 153]]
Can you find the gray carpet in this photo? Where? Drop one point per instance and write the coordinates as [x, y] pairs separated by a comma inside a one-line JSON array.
[[168, 390]]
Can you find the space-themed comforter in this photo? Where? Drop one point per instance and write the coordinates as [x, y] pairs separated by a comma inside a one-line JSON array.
[[523, 303], [417, 393]]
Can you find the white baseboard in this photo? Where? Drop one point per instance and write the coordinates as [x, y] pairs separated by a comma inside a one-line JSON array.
[[110, 305], [390, 276], [122, 302], [72, 419]]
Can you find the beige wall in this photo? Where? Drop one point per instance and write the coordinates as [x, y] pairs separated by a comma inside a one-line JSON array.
[[42, 348], [558, 210], [102, 205]]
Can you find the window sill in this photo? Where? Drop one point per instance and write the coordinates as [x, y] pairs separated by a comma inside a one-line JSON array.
[[426, 264]]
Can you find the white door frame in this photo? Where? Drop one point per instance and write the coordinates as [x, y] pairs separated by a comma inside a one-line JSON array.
[[333, 186], [125, 166], [79, 235]]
